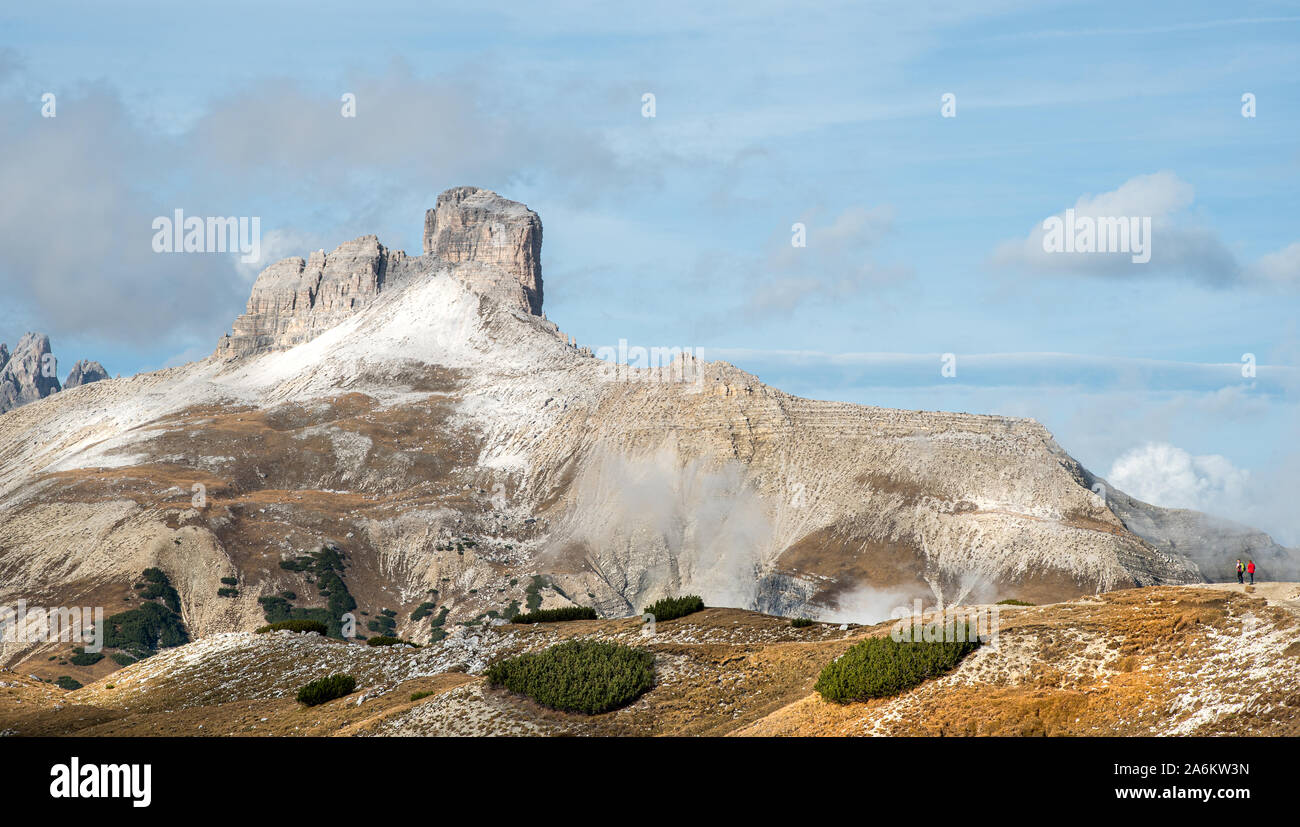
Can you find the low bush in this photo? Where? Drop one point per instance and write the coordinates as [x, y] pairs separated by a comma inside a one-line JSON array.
[[587, 676], [556, 615], [1012, 602], [671, 608], [326, 689], [880, 667], [383, 625], [295, 626], [68, 682], [122, 659], [145, 629], [389, 640], [82, 658], [230, 581], [157, 586], [415, 696], [423, 610], [227, 592], [801, 622], [155, 575]]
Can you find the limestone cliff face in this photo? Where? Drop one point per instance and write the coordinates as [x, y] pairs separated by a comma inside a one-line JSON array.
[[472, 224], [490, 242], [294, 300], [28, 373]]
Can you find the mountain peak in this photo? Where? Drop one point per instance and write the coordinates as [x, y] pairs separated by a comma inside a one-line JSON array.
[[28, 373], [491, 243], [473, 224]]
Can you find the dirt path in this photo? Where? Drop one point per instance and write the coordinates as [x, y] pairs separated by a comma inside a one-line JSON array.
[[1282, 594]]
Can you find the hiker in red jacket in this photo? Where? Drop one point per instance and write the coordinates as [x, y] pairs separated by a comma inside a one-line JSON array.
[[1250, 569]]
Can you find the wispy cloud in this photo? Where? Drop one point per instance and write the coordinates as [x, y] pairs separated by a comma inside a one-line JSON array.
[[834, 261]]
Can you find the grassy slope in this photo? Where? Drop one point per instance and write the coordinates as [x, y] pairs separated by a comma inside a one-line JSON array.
[[1176, 660]]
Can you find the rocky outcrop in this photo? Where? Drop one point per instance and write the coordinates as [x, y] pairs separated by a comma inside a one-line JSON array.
[[491, 243], [83, 373], [30, 372], [294, 300], [472, 224]]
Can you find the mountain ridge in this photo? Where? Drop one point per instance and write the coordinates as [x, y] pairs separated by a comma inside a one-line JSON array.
[[457, 446]]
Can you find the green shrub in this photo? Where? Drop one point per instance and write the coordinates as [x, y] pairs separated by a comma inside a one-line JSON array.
[[388, 640], [145, 629], [230, 581], [533, 594], [423, 610], [157, 586], [122, 659], [82, 658], [68, 682], [801, 622], [383, 625], [227, 592], [326, 689], [326, 565], [1012, 602], [578, 676], [155, 575], [295, 626], [671, 608], [556, 615], [880, 667], [415, 696]]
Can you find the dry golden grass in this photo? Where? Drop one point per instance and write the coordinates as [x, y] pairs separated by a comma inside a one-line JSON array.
[[1126, 663]]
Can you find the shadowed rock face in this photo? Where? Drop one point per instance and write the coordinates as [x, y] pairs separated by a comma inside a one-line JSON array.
[[486, 240], [27, 374], [85, 372]]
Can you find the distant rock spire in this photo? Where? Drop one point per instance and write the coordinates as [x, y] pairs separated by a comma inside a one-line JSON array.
[[29, 373], [83, 373]]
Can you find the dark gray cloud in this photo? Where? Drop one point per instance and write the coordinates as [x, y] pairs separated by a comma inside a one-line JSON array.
[[75, 225]]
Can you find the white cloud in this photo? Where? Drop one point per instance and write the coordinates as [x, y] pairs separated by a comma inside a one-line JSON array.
[[82, 189], [1281, 268], [1177, 246], [1165, 475]]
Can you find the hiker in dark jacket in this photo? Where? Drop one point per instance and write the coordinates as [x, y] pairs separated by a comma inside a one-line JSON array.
[[1241, 571], [1250, 569]]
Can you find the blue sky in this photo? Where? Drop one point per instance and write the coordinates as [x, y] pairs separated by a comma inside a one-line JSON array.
[[675, 230]]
